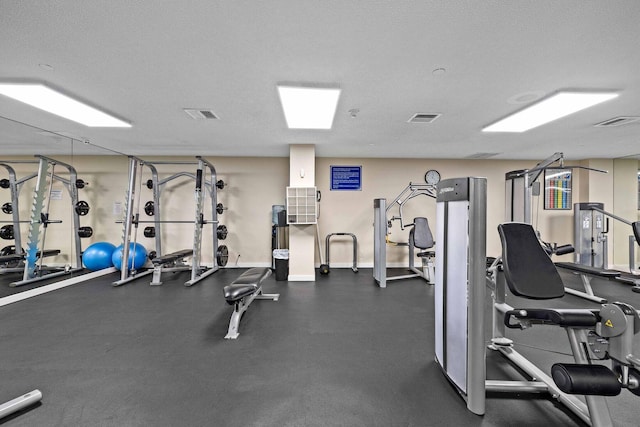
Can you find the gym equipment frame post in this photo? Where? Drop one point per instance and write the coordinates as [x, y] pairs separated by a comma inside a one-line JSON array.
[[15, 185], [381, 227], [461, 210], [197, 272], [127, 275], [38, 218]]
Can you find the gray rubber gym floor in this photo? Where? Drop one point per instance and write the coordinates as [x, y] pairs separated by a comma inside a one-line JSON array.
[[337, 352]]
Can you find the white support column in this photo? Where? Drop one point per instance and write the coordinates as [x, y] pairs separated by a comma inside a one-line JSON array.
[[302, 172]]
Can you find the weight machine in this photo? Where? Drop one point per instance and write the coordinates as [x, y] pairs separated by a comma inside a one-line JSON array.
[[381, 225], [591, 226], [172, 261], [462, 277], [31, 261]]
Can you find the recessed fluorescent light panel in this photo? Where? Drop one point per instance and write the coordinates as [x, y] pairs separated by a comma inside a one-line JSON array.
[[556, 106], [40, 96], [309, 107]]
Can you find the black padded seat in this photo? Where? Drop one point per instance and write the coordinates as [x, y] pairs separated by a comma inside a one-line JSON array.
[[246, 284], [588, 269], [233, 293], [562, 317], [528, 270], [48, 252], [172, 257], [421, 233], [426, 254]]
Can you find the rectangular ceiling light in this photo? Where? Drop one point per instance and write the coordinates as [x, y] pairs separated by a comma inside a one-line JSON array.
[[556, 106], [40, 96], [309, 107]]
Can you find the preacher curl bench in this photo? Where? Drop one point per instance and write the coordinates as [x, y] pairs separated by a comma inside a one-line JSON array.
[[241, 293]]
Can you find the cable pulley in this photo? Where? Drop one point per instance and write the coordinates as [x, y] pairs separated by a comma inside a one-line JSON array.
[[82, 208], [150, 184], [80, 183], [4, 183], [220, 184], [7, 208]]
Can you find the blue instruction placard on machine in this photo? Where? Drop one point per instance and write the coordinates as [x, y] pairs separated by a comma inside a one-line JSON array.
[[346, 178]]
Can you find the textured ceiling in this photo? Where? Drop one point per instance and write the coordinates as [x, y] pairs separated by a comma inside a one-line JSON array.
[[147, 60]]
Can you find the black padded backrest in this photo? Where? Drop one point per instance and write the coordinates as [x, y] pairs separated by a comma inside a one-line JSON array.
[[529, 271], [636, 230], [422, 237]]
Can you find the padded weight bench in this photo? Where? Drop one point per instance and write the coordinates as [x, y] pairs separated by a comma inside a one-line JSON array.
[[241, 293], [174, 260]]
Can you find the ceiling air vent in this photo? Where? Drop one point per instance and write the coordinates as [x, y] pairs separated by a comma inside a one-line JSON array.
[[618, 121], [423, 118], [201, 114]]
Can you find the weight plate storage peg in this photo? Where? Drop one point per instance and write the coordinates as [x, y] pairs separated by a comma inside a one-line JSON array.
[[222, 232], [85, 232], [82, 208], [149, 208], [7, 208], [6, 232], [222, 255]]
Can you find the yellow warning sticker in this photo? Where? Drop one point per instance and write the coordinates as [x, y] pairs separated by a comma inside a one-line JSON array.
[[608, 323]]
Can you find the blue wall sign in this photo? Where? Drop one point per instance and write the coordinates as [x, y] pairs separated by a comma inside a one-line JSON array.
[[346, 178]]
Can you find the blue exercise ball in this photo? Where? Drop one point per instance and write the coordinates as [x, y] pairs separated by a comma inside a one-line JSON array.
[[137, 256], [98, 256]]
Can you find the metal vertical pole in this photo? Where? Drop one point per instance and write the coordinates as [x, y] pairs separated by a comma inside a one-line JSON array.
[[380, 241], [126, 233]]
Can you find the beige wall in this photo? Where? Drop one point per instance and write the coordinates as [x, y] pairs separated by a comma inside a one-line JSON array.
[[255, 184]]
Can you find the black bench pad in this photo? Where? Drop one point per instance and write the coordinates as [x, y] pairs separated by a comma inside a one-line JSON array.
[[562, 317], [174, 256], [588, 269], [18, 257], [48, 252], [246, 284], [9, 258]]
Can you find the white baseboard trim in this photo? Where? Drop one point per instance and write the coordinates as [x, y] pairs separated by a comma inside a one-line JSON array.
[[301, 278], [54, 286]]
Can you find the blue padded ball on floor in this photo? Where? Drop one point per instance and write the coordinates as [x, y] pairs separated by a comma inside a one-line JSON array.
[[137, 256], [98, 256]]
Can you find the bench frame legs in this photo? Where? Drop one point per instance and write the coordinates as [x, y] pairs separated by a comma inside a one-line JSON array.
[[240, 307]]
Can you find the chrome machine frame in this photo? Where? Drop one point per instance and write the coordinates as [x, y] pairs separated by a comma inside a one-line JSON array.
[[381, 225]]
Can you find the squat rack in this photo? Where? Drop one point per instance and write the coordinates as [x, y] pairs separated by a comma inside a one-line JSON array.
[[33, 257], [133, 220]]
